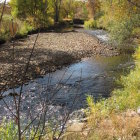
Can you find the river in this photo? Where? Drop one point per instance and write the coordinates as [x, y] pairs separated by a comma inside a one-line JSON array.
[[67, 89]]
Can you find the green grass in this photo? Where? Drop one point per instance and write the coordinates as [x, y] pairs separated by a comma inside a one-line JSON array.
[[8, 131]]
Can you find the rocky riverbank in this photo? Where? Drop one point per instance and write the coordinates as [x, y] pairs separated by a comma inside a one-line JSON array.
[[52, 51]]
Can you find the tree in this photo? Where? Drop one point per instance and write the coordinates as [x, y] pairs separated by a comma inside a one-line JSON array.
[[68, 7], [56, 6], [33, 10], [121, 18], [93, 7]]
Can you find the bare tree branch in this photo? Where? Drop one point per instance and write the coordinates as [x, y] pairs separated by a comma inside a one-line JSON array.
[[2, 12], [135, 4]]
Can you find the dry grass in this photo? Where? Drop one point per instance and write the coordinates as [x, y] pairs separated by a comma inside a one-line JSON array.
[[125, 126]]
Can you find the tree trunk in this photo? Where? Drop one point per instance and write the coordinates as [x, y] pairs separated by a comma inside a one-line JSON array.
[[56, 14]]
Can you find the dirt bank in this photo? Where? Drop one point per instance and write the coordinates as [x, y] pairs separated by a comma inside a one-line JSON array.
[[52, 51]]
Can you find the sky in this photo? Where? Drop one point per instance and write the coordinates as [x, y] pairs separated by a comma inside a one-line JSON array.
[[3, 1]]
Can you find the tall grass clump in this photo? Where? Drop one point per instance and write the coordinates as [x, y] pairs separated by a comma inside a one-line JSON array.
[[9, 131]]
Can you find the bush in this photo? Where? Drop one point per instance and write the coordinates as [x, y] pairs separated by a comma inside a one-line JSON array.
[[121, 32], [21, 28], [24, 28], [91, 24], [4, 30], [124, 31], [101, 23]]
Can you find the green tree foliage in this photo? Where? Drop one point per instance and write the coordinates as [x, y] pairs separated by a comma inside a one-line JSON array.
[[33, 14], [69, 8], [41, 12], [93, 7], [33, 11], [121, 18], [74, 9], [126, 30]]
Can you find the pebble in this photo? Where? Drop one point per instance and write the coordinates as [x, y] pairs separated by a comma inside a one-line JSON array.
[[32, 89], [131, 113], [63, 45], [76, 127], [138, 110]]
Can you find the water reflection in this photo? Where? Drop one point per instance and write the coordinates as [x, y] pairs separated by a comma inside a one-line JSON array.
[[92, 76]]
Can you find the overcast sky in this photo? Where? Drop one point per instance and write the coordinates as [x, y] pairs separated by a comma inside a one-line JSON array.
[[3, 1]]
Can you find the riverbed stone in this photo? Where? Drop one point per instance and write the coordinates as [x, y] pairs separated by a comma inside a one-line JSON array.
[[138, 110], [76, 127], [52, 51], [131, 113]]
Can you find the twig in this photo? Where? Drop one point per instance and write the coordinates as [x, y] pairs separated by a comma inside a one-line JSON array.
[[67, 117], [9, 109], [25, 72], [2, 12], [135, 4]]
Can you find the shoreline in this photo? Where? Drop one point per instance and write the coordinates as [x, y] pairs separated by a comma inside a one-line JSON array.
[[53, 51]]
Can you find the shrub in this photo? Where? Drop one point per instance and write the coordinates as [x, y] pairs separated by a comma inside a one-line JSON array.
[[124, 31], [4, 30], [91, 24], [24, 28]]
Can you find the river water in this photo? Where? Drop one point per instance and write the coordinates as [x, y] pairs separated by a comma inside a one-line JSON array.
[[68, 88]]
